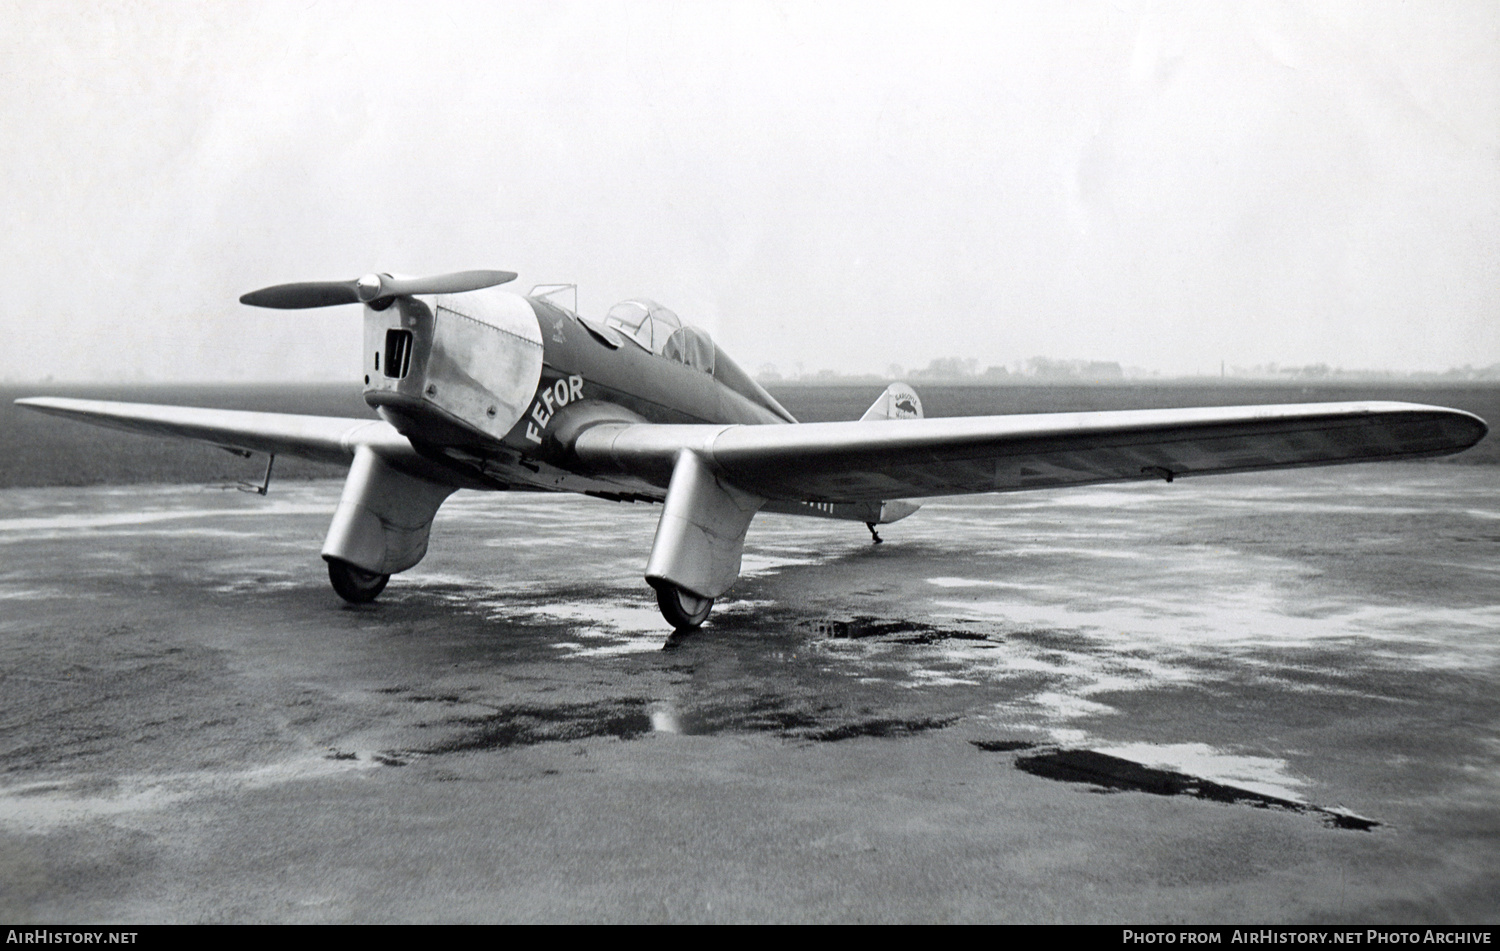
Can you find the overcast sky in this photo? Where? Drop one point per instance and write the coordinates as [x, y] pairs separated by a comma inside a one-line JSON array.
[[840, 185]]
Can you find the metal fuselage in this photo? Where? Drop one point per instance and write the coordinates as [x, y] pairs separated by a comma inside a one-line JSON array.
[[489, 384]]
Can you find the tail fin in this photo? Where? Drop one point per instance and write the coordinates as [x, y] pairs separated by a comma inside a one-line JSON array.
[[899, 401]]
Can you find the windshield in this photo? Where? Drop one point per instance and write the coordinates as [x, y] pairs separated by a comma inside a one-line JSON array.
[[657, 329], [644, 321]]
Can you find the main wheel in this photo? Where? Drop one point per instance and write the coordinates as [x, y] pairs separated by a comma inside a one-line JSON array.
[[682, 610], [355, 585]]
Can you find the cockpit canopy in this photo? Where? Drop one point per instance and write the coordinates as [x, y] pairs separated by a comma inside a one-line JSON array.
[[657, 329], [643, 321]]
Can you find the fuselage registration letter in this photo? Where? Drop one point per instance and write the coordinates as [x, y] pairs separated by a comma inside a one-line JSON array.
[[549, 399]]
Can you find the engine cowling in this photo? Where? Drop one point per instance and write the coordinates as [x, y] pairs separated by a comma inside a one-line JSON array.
[[455, 369]]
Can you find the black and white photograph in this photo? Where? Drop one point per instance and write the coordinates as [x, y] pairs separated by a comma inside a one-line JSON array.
[[744, 462]]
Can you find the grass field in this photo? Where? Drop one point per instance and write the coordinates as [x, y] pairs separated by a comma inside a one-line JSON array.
[[39, 450]]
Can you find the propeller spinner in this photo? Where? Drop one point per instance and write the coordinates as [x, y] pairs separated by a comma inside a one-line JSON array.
[[370, 289]]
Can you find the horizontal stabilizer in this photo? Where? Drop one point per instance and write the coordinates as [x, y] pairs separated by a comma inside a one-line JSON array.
[[877, 513]]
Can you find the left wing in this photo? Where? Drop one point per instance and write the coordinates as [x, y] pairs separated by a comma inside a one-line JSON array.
[[385, 513], [321, 438], [871, 460]]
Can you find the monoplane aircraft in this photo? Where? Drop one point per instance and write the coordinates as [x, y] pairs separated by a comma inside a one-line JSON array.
[[479, 388]]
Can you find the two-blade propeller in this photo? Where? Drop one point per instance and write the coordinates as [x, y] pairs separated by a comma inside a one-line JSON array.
[[370, 289]]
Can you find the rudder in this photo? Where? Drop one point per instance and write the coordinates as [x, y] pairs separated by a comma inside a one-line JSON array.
[[899, 401]]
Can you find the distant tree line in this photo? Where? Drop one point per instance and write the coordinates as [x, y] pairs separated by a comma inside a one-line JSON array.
[[1047, 369]]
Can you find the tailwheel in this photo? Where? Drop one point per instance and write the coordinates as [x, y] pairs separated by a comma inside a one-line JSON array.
[[682, 609], [354, 584]]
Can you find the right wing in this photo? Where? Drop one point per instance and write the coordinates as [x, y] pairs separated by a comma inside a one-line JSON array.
[[873, 460]]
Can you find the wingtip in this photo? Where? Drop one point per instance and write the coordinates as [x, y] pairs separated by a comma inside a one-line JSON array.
[[1479, 427], [1460, 429], [49, 405]]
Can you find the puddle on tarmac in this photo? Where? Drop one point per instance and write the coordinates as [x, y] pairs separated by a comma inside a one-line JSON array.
[[1110, 774], [821, 724], [1003, 746], [879, 727], [527, 726], [895, 630]]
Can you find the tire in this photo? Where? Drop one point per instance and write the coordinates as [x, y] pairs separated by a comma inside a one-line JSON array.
[[355, 585], [682, 610]]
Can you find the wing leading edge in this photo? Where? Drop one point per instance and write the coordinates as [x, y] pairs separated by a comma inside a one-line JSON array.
[[894, 459]]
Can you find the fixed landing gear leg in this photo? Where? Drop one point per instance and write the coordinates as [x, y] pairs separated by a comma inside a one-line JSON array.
[[873, 534], [700, 538]]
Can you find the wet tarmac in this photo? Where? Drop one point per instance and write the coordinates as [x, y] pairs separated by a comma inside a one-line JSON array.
[[1254, 699]]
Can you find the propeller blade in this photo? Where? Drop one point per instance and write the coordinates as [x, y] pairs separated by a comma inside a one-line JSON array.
[[371, 288], [305, 294], [456, 283]]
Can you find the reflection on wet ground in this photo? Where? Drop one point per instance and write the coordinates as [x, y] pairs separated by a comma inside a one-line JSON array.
[[1053, 612], [630, 718], [897, 630], [1250, 642], [526, 726]]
